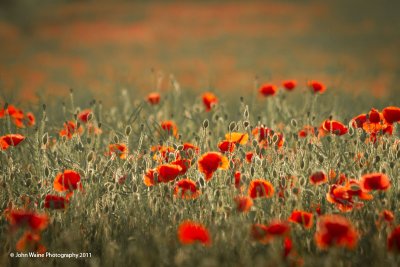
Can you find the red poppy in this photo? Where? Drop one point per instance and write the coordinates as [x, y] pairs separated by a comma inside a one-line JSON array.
[[209, 99], [69, 180], [31, 119], [278, 228], [387, 215], [318, 178], [302, 217], [10, 140], [374, 116], [55, 202], [16, 114], [265, 233], [358, 121], [307, 130], [30, 242], [393, 241], [183, 163], [262, 133], [317, 87], [237, 177], [289, 84], [268, 90], [118, 149], [391, 114], [287, 247], [22, 218], [153, 98], [186, 189], [335, 127], [226, 146], [170, 127], [335, 230], [210, 162], [148, 177], [249, 156], [237, 138], [168, 172], [260, 188], [375, 181], [243, 203], [84, 115], [187, 146], [70, 128], [190, 232]]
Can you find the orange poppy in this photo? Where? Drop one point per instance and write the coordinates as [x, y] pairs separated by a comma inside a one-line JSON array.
[[335, 230], [30, 242], [237, 138], [210, 162], [302, 217], [168, 172], [84, 115], [243, 203], [317, 87], [170, 127], [262, 133], [68, 180], [289, 84], [335, 127], [393, 241], [226, 146], [148, 177], [118, 149], [70, 128], [268, 90], [260, 188], [153, 98], [307, 130], [164, 152], [22, 218], [375, 181], [55, 202], [186, 189], [391, 114], [190, 232], [318, 178], [10, 140], [209, 100], [92, 129]]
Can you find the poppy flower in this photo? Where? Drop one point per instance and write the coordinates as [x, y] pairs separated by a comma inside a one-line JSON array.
[[391, 114], [268, 90], [68, 180], [317, 87], [209, 99], [168, 172], [335, 127], [55, 202], [318, 178], [385, 216], [16, 115], [164, 152], [70, 128], [287, 247], [187, 146], [170, 127], [307, 130], [10, 140], [335, 230], [153, 98], [278, 228], [237, 177], [84, 115], [265, 233], [31, 119], [260, 188], [30, 219], [30, 241], [249, 156], [262, 133], [243, 203], [118, 149], [186, 189], [358, 121], [289, 84], [148, 177], [374, 116], [183, 163], [190, 232], [302, 217], [375, 181], [237, 138], [210, 162], [393, 241], [92, 129], [226, 146]]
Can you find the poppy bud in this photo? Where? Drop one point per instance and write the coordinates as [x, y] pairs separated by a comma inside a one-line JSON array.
[[232, 126], [294, 123], [45, 138], [246, 124], [205, 124]]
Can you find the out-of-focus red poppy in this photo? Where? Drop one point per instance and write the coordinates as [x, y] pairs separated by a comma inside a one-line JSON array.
[[10, 140], [226, 146], [260, 188], [186, 189], [375, 181], [302, 217], [16, 115], [268, 90], [287, 247], [55, 202], [289, 84], [262, 133], [118, 149], [31, 119], [30, 241], [30, 219], [84, 115], [265, 233], [92, 129], [210, 162], [68, 180], [335, 230], [393, 241], [306, 131], [318, 178], [237, 138], [237, 177], [249, 156], [190, 232], [317, 87], [278, 228], [70, 128], [243, 203], [187, 146], [148, 177], [386, 216], [209, 100], [391, 114], [259, 232], [168, 172], [170, 127], [334, 127], [153, 98]]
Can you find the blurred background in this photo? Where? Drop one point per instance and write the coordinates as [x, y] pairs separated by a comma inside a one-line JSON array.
[[100, 47]]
